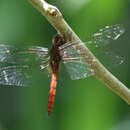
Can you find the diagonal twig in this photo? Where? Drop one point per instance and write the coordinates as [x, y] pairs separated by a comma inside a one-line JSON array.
[[54, 16]]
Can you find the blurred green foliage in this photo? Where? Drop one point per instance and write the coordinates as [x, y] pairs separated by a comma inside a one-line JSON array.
[[85, 104]]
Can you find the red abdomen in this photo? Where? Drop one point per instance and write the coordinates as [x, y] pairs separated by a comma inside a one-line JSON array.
[[52, 92]]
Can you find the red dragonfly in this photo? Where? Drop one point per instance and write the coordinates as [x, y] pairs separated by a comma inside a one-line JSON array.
[[14, 61]]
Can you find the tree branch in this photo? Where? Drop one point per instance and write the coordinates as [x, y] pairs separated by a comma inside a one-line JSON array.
[[54, 16]]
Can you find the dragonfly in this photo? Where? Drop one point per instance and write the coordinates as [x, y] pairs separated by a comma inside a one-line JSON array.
[[14, 61]]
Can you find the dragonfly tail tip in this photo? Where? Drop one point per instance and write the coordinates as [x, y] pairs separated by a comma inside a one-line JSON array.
[[49, 113]]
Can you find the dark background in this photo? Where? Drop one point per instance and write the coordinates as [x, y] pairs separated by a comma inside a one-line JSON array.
[[85, 104]]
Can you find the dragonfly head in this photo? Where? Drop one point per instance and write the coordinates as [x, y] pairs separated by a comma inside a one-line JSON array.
[[58, 39]]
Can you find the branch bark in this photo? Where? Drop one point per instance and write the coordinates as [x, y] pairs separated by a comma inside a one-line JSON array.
[[54, 16]]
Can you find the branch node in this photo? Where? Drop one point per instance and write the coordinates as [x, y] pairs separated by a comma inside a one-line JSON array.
[[54, 11]]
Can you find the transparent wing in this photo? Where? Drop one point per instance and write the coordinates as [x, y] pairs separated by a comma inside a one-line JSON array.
[[15, 63], [12, 54], [100, 43], [14, 76], [73, 62], [106, 35], [77, 69], [7, 53]]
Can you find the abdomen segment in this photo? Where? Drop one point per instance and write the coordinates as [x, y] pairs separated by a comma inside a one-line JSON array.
[[52, 92]]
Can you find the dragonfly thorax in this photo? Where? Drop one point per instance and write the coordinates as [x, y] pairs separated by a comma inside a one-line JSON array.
[[55, 53], [57, 40]]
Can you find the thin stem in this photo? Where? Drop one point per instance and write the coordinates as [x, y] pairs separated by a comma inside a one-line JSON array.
[[54, 16]]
